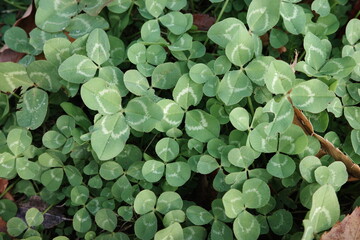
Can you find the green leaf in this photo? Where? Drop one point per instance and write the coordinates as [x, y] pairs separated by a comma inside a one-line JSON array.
[[240, 118], [77, 69], [155, 54], [355, 140], [119, 6], [137, 53], [312, 95], [234, 86], [142, 114], [73, 175], [198, 215], [106, 219], [176, 5], [44, 74], [262, 142], [173, 115], [153, 170], [77, 113], [56, 50], [98, 46], [98, 95], [201, 125], [174, 231], [325, 209], [200, 73], [27, 169], [177, 173], [82, 221], [110, 170], [281, 166], [50, 159], [174, 216], [165, 76], [53, 139], [207, 164], [186, 92], [33, 105], [181, 43], [194, 232], [257, 69], [294, 17], [279, 78], [317, 51], [256, 193], [293, 140], [34, 217], [79, 195], [352, 31], [281, 222], [278, 38], [52, 16], [52, 178], [110, 135], [150, 31], [307, 167], [351, 115], [135, 82], [8, 209], [221, 231], [262, 15], [233, 203], [16, 39], [224, 31], [284, 115], [15, 226], [167, 149], [155, 7], [240, 50], [221, 65], [144, 202], [83, 23], [18, 140], [169, 201], [176, 22], [322, 7], [13, 76], [242, 157], [146, 226], [246, 226], [338, 67]]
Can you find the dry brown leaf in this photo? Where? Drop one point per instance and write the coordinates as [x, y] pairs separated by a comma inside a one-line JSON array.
[[347, 229], [203, 21], [3, 184], [2, 225]]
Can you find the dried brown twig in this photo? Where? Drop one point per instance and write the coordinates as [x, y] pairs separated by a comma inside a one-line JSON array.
[[326, 147]]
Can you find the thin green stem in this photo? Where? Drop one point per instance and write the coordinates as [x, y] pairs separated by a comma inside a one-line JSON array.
[[48, 208], [192, 6], [222, 11], [155, 43], [357, 15], [208, 9], [19, 6], [250, 105], [8, 189], [301, 56]]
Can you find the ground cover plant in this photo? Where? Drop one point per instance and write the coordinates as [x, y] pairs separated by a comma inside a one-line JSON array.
[[175, 119]]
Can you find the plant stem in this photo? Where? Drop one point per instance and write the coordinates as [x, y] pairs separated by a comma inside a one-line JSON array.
[[48, 208], [19, 6], [250, 105], [8, 189], [357, 15], [222, 11]]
